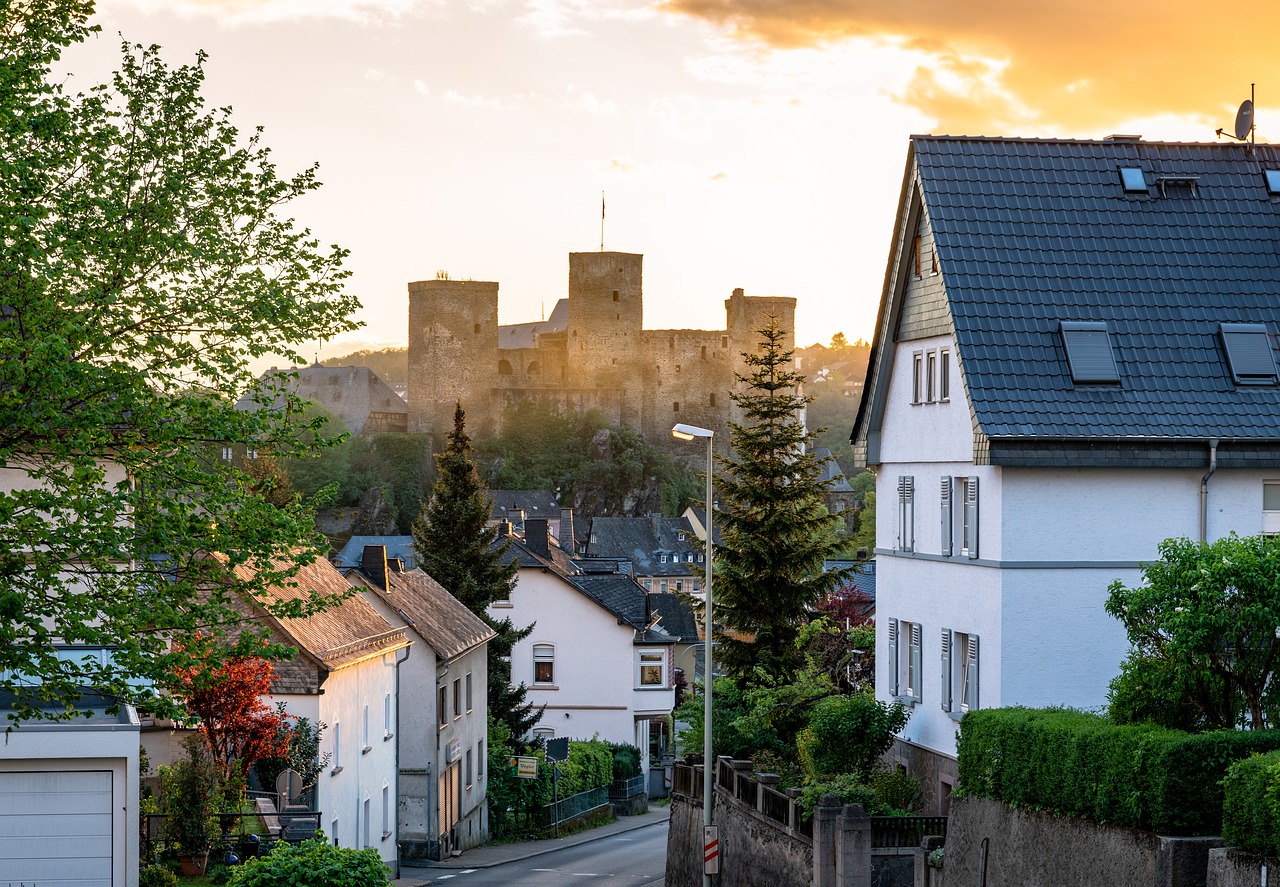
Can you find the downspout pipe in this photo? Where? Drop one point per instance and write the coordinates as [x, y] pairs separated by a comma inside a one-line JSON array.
[[1204, 488]]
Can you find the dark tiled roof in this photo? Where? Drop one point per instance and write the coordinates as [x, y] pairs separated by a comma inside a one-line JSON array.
[[534, 503], [644, 541], [676, 616], [442, 620], [397, 546], [617, 593], [832, 473], [1030, 233]]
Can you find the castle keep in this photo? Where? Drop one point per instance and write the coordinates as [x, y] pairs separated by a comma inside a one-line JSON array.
[[591, 353]]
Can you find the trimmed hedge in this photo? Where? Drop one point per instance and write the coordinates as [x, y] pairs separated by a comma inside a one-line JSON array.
[[1080, 764], [1251, 805]]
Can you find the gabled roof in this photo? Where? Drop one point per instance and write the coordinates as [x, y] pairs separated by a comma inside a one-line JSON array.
[[442, 620], [524, 335], [339, 635], [534, 503], [644, 541], [619, 595], [674, 616], [1031, 234]]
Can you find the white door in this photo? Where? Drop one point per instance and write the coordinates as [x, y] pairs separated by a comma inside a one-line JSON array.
[[55, 828]]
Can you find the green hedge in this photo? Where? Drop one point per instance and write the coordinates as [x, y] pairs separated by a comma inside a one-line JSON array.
[[1251, 805], [1080, 764]]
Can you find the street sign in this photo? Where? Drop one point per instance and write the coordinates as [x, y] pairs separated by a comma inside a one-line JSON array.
[[711, 849], [526, 768], [557, 750]]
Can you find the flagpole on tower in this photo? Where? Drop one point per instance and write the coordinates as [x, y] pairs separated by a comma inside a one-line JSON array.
[[601, 221]]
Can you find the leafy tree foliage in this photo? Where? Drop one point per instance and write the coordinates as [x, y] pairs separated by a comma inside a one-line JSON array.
[[300, 740], [1202, 625], [848, 734], [143, 265], [227, 697], [774, 528], [457, 549]]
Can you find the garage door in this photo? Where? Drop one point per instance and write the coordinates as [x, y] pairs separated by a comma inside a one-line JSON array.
[[55, 828]]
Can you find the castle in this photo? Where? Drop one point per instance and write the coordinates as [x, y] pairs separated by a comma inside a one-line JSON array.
[[591, 353]]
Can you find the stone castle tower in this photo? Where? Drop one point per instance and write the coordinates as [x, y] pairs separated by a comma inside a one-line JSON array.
[[591, 353]]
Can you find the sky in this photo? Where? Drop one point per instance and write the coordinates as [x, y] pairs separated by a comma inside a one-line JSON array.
[[737, 143]]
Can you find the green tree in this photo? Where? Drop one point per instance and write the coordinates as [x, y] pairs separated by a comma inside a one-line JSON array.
[[1202, 624], [471, 560], [775, 531], [143, 265]]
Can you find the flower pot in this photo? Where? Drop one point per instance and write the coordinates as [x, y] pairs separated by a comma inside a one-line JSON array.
[[194, 864]]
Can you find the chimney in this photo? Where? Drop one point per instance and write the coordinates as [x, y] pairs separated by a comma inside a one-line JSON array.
[[395, 565], [504, 528], [537, 536], [516, 516], [374, 565], [566, 530]]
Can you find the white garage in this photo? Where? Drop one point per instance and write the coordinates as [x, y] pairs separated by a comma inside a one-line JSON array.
[[69, 802]]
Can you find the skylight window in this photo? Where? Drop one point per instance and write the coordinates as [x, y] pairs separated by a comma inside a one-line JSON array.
[[1089, 353], [1133, 180], [1249, 353], [1273, 180]]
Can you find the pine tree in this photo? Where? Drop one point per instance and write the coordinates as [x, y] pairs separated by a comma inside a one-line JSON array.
[[775, 530], [457, 549]]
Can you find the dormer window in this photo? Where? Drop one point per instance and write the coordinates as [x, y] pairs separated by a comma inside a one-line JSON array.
[[1249, 353], [1273, 181], [1133, 180], [1089, 354]]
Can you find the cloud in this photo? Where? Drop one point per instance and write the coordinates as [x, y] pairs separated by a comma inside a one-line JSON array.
[[578, 100], [491, 103], [234, 12], [993, 66], [421, 88]]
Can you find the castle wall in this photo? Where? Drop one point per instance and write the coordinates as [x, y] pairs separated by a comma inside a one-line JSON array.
[[606, 310], [688, 375], [453, 348]]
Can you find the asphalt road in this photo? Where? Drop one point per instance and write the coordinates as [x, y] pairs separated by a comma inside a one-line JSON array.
[[631, 859]]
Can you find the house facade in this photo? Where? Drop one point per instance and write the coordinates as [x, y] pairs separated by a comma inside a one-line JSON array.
[[1074, 360], [598, 658], [441, 723]]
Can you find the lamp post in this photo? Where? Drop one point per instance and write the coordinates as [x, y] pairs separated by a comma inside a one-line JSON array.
[[689, 432]]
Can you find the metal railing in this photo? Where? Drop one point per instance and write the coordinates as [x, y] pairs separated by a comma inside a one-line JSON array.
[[239, 830], [905, 831], [621, 789]]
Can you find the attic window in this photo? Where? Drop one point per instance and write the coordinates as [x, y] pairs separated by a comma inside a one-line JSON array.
[[1089, 353], [1273, 181], [1133, 180], [1249, 353]]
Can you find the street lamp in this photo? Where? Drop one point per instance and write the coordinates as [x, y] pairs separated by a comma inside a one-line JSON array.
[[689, 432]]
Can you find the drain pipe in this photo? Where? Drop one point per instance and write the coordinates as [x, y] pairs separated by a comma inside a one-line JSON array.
[[1204, 488]]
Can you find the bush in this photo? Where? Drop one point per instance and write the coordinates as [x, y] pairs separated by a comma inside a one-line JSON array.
[[1080, 764], [316, 863], [897, 788], [847, 734], [1251, 805], [848, 788], [156, 876], [626, 761]]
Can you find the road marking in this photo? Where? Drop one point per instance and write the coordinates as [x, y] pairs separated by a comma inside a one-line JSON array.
[[544, 870], [466, 871], [445, 877], [586, 874]]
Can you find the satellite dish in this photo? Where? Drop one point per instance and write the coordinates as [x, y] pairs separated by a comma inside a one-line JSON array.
[[289, 784], [1244, 119]]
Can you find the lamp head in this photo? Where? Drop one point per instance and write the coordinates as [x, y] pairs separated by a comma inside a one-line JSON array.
[[689, 432]]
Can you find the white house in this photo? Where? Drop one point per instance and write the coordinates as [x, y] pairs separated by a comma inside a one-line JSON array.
[[346, 675], [598, 658], [441, 722], [1074, 360]]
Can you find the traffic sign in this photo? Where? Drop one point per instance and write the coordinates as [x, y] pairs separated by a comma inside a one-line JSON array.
[[557, 750], [526, 768], [711, 849]]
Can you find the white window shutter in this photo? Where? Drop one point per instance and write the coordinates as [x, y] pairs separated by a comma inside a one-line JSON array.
[[916, 662], [946, 669], [893, 657], [971, 515], [946, 517], [971, 674], [908, 512]]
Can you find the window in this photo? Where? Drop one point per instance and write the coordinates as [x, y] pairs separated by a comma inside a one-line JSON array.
[[696, 586], [915, 254], [1271, 507], [367, 816], [366, 747], [1089, 355], [1133, 180], [653, 666], [947, 520], [662, 558], [457, 698], [337, 749], [959, 671], [933, 261], [679, 535], [969, 528], [386, 718], [675, 407], [386, 811], [930, 375], [1249, 353], [469, 780], [905, 669], [615, 295], [480, 759], [468, 691], [944, 375], [544, 733], [917, 377], [648, 585], [679, 585], [544, 664], [251, 454], [1273, 181], [713, 400], [442, 706], [227, 453], [662, 585], [906, 513]]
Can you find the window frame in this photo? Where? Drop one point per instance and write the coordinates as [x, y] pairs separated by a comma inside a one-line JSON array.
[[906, 513], [944, 375], [656, 658], [917, 377], [930, 377], [468, 694], [1270, 527], [544, 655]]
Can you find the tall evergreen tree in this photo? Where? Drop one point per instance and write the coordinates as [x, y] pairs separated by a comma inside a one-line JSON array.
[[775, 530], [457, 549]]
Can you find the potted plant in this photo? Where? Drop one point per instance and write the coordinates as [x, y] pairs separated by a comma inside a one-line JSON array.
[[190, 791]]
